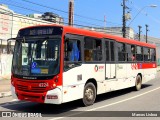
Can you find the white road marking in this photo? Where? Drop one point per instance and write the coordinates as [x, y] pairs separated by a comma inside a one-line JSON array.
[[57, 118]]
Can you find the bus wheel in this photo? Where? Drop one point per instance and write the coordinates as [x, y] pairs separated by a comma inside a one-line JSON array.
[[89, 94], [138, 83]]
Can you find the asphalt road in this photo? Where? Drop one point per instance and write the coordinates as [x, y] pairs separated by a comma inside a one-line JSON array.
[[124, 104]]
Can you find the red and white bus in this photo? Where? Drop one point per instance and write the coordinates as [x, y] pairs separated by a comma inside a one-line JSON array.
[[56, 64]]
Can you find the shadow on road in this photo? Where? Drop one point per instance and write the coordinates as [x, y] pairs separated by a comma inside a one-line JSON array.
[[54, 110], [118, 93]]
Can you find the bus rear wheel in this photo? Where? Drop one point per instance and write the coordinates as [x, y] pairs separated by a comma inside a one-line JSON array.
[[138, 83], [89, 94]]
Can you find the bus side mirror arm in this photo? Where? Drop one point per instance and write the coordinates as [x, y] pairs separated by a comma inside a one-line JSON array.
[[9, 44]]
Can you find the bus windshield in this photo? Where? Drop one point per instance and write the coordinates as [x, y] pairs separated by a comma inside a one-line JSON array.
[[36, 57]]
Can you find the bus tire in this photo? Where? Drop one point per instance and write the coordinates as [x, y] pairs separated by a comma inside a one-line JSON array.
[[89, 94], [138, 83]]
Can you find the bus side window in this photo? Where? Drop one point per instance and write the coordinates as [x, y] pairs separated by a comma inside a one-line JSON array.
[[133, 50], [112, 51], [72, 54], [153, 55], [139, 53], [92, 49], [72, 50], [88, 55], [146, 53], [121, 52]]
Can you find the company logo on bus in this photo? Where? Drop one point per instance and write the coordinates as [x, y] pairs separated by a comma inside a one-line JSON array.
[[134, 66], [98, 68]]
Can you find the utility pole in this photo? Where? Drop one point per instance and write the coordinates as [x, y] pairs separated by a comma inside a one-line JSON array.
[[139, 34], [105, 21], [124, 19], [146, 32], [71, 12]]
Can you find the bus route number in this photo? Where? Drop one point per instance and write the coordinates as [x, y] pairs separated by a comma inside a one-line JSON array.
[[43, 84]]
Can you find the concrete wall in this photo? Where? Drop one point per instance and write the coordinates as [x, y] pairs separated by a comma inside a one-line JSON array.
[[5, 66]]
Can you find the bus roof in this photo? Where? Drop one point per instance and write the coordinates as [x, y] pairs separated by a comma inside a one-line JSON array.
[[79, 31]]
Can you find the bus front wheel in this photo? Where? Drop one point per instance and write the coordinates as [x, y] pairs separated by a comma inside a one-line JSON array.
[[89, 94], [138, 83]]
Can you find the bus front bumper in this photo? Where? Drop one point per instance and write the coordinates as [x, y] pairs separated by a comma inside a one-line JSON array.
[[50, 97]]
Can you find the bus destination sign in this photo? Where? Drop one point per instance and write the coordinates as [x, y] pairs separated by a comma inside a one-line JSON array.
[[45, 31], [36, 31]]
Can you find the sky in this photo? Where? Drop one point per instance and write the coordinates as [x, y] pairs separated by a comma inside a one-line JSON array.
[[91, 12]]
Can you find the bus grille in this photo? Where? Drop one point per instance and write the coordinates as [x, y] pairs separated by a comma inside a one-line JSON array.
[[31, 89]]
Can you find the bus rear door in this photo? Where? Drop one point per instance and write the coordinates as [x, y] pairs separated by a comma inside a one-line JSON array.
[[110, 71]]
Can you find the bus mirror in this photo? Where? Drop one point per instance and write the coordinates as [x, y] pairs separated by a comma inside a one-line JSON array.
[[9, 45]]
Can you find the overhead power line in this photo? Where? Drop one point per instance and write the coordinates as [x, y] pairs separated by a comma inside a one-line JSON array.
[[55, 10], [43, 12], [35, 20], [38, 20], [66, 12]]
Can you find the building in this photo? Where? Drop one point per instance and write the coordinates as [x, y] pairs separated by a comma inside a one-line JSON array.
[[114, 31], [51, 17]]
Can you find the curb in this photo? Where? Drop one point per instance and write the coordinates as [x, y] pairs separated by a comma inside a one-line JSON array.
[[5, 94]]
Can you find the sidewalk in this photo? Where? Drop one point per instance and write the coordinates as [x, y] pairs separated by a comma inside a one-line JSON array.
[[5, 86]]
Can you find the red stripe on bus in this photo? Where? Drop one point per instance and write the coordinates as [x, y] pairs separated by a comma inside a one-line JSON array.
[[146, 65]]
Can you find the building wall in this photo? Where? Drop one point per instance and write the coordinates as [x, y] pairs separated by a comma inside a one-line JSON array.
[[5, 22], [20, 21]]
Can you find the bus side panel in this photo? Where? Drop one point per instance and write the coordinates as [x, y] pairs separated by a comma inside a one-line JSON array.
[[121, 76], [75, 79], [149, 71], [125, 77], [132, 72]]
